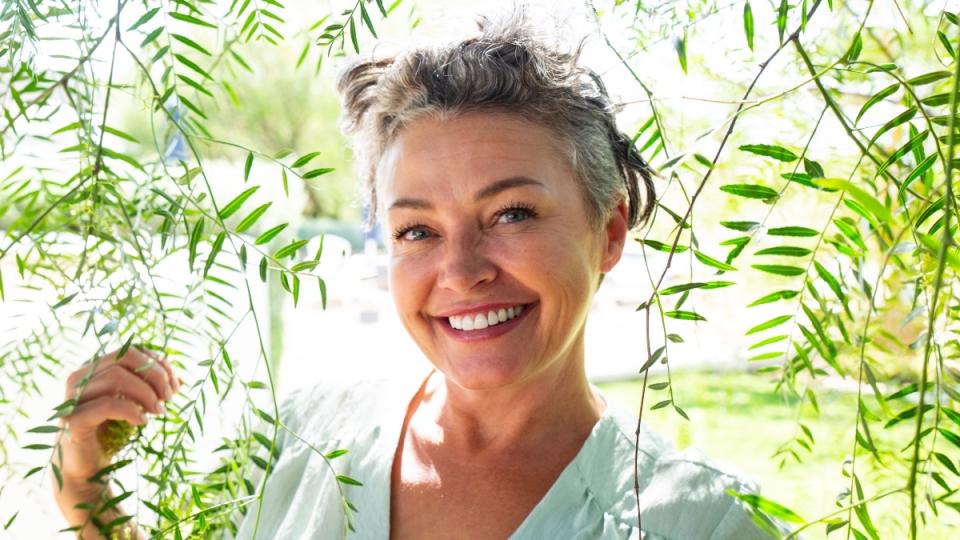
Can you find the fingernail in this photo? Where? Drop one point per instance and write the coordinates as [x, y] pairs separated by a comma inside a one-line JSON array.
[[160, 408]]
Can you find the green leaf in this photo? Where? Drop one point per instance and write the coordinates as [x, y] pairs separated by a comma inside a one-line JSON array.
[[684, 315], [64, 301], [143, 19], [252, 217], [688, 286], [661, 404], [785, 251], [854, 52], [44, 429], [290, 249], [830, 280], [317, 172], [950, 436], [773, 297], [263, 269], [304, 159], [896, 121], [191, 19], [366, 20], [743, 226], [750, 191], [335, 454], [776, 321], [192, 65], [936, 100], [770, 150], [768, 507], [877, 98], [915, 142], [906, 415], [353, 36], [214, 250], [867, 200], [270, 234], [792, 231], [779, 269], [748, 24], [660, 246], [928, 78], [768, 341], [195, 236], [191, 43], [782, 12], [151, 37], [121, 134], [234, 205], [813, 169], [344, 479], [710, 261], [659, 385], [247, 165], [680, 45]]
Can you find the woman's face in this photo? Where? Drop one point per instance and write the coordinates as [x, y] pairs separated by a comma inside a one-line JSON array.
[[493, 259]]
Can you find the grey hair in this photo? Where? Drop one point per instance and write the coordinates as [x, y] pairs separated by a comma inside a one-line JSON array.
[[504, 68]]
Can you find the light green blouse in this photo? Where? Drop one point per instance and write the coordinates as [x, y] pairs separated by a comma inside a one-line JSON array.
[[682, 495]]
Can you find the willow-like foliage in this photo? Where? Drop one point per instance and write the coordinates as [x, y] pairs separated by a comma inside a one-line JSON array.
[[862, 289]]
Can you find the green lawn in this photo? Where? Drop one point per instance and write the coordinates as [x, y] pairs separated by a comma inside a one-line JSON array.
[[738, 420]]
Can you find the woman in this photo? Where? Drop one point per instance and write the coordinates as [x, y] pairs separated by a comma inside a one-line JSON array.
[[497, 165]]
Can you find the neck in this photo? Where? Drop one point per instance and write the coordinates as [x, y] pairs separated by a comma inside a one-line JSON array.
[[553, 405]]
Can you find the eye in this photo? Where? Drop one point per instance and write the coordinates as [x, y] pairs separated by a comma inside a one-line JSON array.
[[411, 233], [514, 213]]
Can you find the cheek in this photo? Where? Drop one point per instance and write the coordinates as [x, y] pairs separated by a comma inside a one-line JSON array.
[[409, 284]]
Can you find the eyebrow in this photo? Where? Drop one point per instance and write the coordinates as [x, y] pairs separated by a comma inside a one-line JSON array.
[[487, 192]]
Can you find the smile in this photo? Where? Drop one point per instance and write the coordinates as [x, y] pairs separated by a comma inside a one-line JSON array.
[[482, 320]]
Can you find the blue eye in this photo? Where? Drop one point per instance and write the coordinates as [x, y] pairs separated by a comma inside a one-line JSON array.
[[412, 233], [515, 213]]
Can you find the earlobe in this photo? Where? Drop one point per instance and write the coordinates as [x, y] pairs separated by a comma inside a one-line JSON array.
[[615, 236]]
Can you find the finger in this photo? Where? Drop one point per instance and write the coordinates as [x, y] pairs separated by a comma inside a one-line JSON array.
[[89, 415], [143, 366], [174, 380], [117, 380]]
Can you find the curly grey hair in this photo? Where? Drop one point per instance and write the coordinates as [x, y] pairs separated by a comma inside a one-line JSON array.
[[503, 69]]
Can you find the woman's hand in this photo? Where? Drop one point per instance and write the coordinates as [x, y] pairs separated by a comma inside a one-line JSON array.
[[117, 395]]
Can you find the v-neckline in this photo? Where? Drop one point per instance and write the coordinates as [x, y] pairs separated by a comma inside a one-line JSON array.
[[388, 452]]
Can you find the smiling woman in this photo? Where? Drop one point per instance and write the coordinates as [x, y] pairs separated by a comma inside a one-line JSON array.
[[497, 165]]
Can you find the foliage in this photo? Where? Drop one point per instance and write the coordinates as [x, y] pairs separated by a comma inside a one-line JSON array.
[[101, 230], [864, 293], [867, 286]]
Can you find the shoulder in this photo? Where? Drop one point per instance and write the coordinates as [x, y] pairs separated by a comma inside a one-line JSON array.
[[682, 494], [344, 408]]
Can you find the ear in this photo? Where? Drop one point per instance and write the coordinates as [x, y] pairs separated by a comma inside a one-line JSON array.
[[614, 237]]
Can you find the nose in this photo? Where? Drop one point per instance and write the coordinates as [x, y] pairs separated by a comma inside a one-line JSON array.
[[464, 264]]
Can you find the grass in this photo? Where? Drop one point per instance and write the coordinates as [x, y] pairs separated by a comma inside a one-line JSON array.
[[739, 421]]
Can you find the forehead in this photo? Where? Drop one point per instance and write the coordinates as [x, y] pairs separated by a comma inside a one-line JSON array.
[[460, 154]]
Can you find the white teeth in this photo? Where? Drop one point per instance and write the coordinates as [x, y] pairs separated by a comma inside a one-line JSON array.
[[480, 322], [484, 320]]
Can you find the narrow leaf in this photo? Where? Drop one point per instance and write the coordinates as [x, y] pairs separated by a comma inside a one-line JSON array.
[[770, 150]]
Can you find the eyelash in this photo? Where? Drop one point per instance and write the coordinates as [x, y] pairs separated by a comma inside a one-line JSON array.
[[526, 208]]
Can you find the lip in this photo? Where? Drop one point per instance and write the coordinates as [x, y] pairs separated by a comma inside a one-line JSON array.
[[490, 332]]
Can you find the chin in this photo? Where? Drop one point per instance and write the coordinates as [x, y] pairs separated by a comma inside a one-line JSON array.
[[482, 373]]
